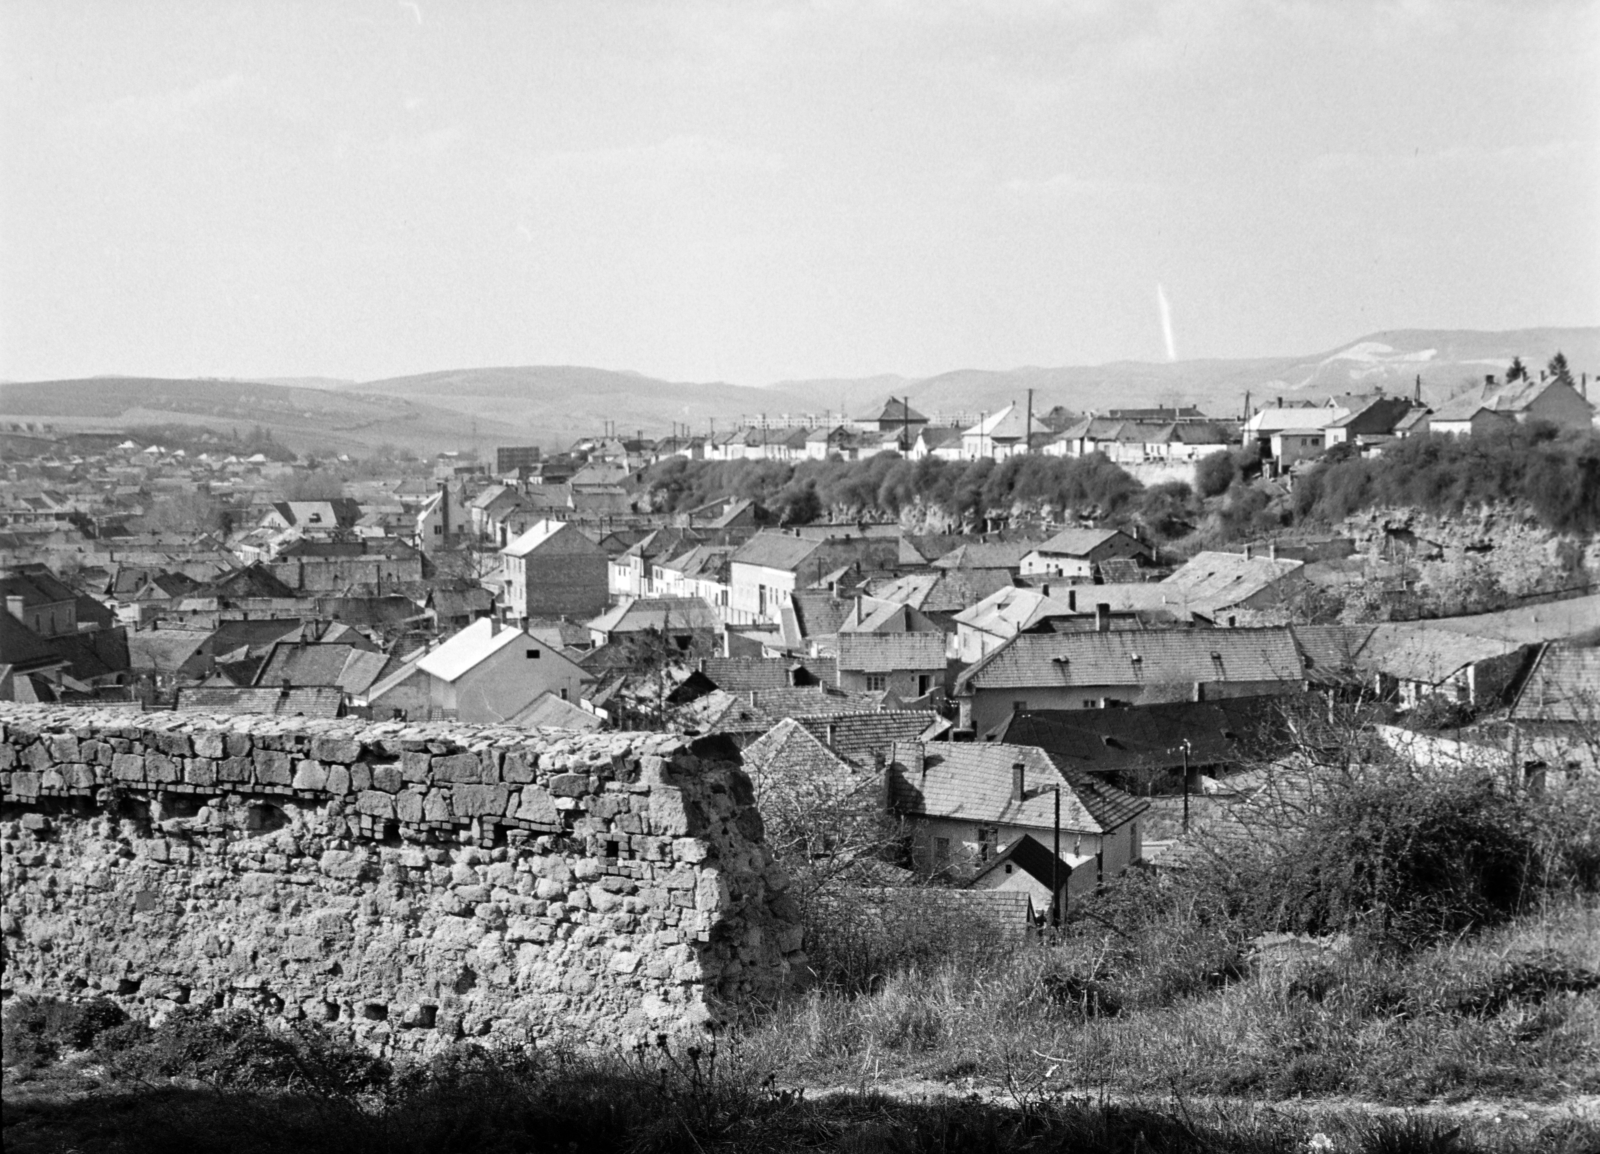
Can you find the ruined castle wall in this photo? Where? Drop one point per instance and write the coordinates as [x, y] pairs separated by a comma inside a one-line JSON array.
[[409, 884]]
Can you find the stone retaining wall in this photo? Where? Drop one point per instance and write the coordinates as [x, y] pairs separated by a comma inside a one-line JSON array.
[[412, 884]]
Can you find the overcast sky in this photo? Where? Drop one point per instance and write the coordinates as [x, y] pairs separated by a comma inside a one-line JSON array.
[[754, 191]]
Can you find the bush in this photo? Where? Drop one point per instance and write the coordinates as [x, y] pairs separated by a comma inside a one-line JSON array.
[[39, 1030], [1406, 859], [1215, 472]]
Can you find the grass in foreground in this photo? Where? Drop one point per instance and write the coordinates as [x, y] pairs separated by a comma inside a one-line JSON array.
[[1513, 1012]]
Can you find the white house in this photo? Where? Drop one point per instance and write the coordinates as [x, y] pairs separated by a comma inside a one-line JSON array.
[[485, 675]]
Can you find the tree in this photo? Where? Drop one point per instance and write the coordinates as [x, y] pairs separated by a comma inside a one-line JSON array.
[[188, 512], [1214, 472], [1558, 368], [1518, 371]]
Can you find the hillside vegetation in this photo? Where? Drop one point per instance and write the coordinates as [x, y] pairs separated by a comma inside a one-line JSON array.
[[1556, 477]]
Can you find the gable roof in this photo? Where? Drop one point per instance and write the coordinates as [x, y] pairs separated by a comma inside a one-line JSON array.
[[975, 782], [1034, 859], [790, 749], [987, 555], [470, 648], [660, 613], [1219, 580], [540, 534], [1137, 657], [549, 711], [1228, 731], [306, 701], [1564, 685], [858, 736], [742, 674], [773, 550], [1078, 542]]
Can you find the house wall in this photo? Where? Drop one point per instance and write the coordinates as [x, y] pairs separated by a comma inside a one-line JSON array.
[[405, 886], [1562, 406], [1115, 849], [1075, 884], [746, 603], [410, 696], [566, 576], [906, 684]]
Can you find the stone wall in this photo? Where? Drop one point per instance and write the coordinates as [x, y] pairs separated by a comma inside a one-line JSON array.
[[410, 884]]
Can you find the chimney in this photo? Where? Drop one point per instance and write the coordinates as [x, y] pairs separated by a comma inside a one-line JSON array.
[[1072, 600], [494, 625], [1045, 589], [1019, 782], [833, 733], [1102, 617], [1249, 552], [1417, 392], [1280, 402], [285, 687], [752, 699], [1488, 378], [1272, 550]]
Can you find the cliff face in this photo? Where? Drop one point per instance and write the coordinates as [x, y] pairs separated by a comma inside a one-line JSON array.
[[409, 884]]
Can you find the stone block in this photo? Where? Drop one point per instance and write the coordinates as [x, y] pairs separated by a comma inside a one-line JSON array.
[[415, 766], [343, 863], [375, 803], [126, 767], [674, 815], [436, 806], [569, 784], [462, 768], [159, 769], [172, 744], [538, 808], [64, 748], [519, 766], [210, 744], [235, 769], [333, 748], [479, 800], [310, 775], [338, 780], [200, 771], [238, 744], [387, 778], [25, 785], [360, 777], [408, 806], [272, 767]]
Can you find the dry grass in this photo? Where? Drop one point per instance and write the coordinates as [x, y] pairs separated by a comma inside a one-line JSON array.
[[1485, 1016]]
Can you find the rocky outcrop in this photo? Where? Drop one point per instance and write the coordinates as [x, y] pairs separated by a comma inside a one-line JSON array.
[[410, 884]]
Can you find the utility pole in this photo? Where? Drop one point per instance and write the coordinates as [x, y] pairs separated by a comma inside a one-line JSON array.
[[1185, 785], [1055, 866], [1027, 427]]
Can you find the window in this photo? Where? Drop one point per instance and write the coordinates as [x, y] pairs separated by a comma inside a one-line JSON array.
[[438, 530], [988, 839], [877, 682], [924, 684], [563, 693], [1089, 703], [532, 655], [941, 851]]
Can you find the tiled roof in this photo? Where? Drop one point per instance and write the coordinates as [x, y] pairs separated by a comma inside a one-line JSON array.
[[467, 649], [1138, 657], [307, 701], [1009, 609], [162, 650], [549, 711], [1563, 686], [1230, 731], [1412, 653], [662, 613], [773, 550], [742, 674], [974, 781], [1219, 580], [1078, 542], [987, 555], [858, 736], [891, 652], [1035, 859], [790, 749]]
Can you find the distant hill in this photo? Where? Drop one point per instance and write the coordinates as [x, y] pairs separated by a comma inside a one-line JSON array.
[[559, 403], [551, 405], [305, 419]]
